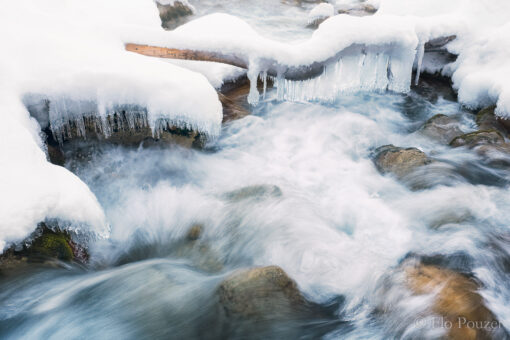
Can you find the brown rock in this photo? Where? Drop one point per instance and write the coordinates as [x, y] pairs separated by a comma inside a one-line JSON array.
[[399, 161], [457, 300], [259, 292], [478, 138], [195, 232]]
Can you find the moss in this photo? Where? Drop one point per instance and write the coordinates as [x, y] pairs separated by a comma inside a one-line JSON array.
[[52, 244], [478, 138]]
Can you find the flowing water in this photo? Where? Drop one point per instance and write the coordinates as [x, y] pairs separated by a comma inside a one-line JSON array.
[[292, 185]]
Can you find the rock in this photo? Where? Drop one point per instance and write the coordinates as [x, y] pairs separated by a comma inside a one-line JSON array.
[[234, 97], [261, 292], [195, 232], [487, 120], [441, 128], [173, 14], [265, 303], [435, 86], [55, 155], [44, 244], [478, 138], [320, 13], [457, 301], [360, 10], [255, 192], [399, 161], [232, 109]]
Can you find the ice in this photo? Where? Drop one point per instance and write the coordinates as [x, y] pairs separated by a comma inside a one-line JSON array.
[[358, 69]]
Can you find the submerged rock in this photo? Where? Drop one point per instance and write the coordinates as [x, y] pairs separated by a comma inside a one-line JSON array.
[[258, 292], [442, 128], [456, 300], [399, 161], [477, 138]]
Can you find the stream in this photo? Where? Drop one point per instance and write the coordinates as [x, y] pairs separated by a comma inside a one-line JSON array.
[[293, 185]]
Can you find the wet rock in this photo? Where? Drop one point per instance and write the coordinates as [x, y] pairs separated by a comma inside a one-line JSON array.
[[487, 120], [234, 97], [442, 128], [232, 109], [457, 300], [435, 86], [259, 293], [265, 302], [195, 232], [173, 14], [254, 192], [45, 244], [477, 138], [399, 161]]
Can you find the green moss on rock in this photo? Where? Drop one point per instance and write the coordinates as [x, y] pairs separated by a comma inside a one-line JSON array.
[[52, 244]]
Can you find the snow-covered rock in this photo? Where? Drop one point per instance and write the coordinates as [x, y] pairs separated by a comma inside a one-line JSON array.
[[72, 53]]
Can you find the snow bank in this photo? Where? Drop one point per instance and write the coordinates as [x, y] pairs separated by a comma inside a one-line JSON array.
[[481, 73], [72, 53]]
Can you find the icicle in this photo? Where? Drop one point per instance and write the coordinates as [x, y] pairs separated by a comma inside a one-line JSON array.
[[420, 53], [253, 75]]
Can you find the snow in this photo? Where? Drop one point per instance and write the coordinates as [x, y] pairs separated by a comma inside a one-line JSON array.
[[72, 53], [216, 73], [481, 73], [321, 11]]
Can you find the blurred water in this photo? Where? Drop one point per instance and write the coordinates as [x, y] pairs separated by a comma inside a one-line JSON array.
[[291, 185]]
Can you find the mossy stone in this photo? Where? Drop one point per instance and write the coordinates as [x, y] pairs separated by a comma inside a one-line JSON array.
[[52, 244]]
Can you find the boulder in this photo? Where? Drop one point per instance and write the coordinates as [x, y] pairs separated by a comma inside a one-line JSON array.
[[477, 138], [442, 128], [261, 292], [265, 303], [399, 161], [456, 300]]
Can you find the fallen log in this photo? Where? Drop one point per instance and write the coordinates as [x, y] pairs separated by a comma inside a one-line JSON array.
[[173, 53], [291, 73], [274, 69]]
